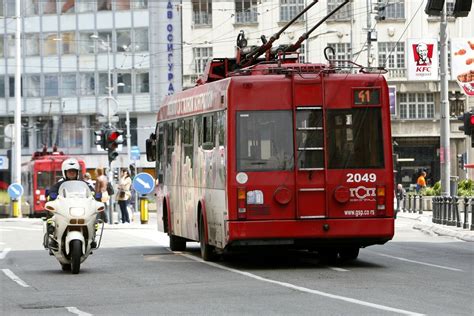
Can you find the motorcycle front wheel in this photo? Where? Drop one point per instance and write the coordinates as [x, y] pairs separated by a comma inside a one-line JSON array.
[[76, 253]]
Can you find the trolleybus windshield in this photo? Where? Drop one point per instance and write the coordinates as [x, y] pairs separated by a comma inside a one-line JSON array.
[[355, 138], [264, 140]]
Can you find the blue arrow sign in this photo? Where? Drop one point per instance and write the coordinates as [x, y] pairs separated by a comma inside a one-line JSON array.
[[143, 183], [15, 190]]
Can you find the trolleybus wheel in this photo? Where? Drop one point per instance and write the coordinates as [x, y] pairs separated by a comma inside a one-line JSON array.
[[177, 243], [207, 251], [76, 253], [349, 254]]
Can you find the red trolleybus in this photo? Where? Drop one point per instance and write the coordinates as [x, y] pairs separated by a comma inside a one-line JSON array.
[[40, 174], [276, 154]]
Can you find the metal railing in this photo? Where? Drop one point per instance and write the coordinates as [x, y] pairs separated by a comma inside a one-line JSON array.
[[447, 210]]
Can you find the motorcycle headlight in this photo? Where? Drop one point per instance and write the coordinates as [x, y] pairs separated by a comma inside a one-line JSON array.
[[77, 211]]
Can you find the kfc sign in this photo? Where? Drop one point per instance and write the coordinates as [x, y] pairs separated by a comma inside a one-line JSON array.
[[462, 63], [422, 59]]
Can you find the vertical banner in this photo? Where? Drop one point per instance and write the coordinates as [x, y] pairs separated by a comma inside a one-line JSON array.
[[392, 96], [423, 60], [462, 63]]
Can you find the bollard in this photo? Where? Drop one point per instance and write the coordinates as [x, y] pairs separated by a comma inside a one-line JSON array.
[[450, 211], [466, 214], [16, 211], [143, 209], [457, 215], [409, 203], [435, 210], [420, 210], [444, 214], [472, 217]]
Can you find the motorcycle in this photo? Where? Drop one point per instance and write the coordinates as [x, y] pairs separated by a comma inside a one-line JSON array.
[[71, 233]]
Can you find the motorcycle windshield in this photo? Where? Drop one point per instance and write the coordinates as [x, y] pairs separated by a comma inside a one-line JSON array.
[[74, 189]]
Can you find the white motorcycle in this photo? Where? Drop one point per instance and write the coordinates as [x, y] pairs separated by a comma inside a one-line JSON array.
[[70, 234]]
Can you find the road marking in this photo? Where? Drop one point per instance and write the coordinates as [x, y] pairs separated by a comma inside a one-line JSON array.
[[419, 262], [5, 230], [21, 228], [4, 253], [304, 289], [14, 277], [338, 269], [74, 310]]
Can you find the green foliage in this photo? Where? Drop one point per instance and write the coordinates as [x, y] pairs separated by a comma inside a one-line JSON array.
[[466, 188], [428, 191], [4, 198]]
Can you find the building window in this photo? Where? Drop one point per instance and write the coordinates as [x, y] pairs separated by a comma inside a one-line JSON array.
[[122, 4], [124, 83], [202, 12], [104, 41], [449, 7], [141, 40], [67, 6], [290, 8], [1, 46], [68, 43], [10, 8], [343, 52], [30, 7], [103, 83], [86, 43], [393, 9], [302, 56], [104, 5], [456, 103], [31, 44], [50, 44], [345, 13], [201, 56], [140, 4], [142, 83], [416, 105], [68, 82], [87, 83], [2, 87], [246, 11], [391, 55], [85, 5], [11, 45], [123, 41], [49, 6], [133, 130], [51, 85], [33, 86]]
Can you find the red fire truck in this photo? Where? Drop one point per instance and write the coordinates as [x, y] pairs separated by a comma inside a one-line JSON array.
[[40, 174], [276, 152]]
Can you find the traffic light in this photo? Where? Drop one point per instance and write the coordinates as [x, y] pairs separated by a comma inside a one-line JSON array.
[[434, 7], [100, 138], [462, 8], [116, 174], [113, 138], [468, 123], [380, 8]]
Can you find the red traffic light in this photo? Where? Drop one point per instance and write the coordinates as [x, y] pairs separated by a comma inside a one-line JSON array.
[[113, 136], [471, 120]]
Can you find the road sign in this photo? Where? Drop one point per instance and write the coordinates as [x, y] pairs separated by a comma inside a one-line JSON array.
[[135, 153], [143, 183], [3, 162], [15, 190], [10, 131]]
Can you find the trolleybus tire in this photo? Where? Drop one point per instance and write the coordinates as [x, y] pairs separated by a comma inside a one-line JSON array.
[[76, 253], [349, 254], [177, 243], [208, 252], [328, 255]]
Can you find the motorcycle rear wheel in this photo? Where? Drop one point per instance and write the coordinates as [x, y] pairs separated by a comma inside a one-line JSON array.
[[65, 266], [76, 253]]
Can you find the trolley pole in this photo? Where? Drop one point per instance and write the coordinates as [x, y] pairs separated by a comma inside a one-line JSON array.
[[445, 153]]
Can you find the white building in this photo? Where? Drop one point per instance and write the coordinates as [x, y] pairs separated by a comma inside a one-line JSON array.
[[210, 29]]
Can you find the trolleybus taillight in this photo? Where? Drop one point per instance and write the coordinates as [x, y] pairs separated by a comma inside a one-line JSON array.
[[241, 203], [380, 198]]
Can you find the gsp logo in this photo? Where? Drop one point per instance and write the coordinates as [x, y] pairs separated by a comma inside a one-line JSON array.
[[362, 193]]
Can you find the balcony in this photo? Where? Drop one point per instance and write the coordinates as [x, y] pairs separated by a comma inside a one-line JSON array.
[[397, 73]]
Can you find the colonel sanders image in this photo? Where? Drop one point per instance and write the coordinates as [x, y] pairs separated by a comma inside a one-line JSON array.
[[422, 51]]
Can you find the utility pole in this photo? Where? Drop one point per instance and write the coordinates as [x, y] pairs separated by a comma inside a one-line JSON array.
[[17, 134], [445, 153], [129, 142], [369, 30]]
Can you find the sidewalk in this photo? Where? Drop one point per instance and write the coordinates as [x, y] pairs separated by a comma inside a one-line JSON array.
[[424, 223], [136, 224]]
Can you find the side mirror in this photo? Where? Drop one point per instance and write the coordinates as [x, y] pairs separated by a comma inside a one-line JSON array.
[[151, 148]]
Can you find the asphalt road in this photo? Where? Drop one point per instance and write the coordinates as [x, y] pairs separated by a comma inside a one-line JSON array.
[[135, 273]]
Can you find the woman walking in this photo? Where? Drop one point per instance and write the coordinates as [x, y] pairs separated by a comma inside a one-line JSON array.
[[124, 194]]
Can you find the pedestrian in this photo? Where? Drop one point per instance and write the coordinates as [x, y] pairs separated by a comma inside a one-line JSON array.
[[124, 194], [101, 187], [421, 182], [88, 179], [400, 193]]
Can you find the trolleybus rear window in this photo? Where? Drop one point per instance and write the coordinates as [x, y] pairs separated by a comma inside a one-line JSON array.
[[264, 140], [355, 138]]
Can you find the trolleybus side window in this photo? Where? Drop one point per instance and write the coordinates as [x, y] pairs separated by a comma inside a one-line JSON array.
[[355, 138], [310, 138], [208, 131], [221, 127], [187, 140], [170, 137], [161, 151], [264, 140]]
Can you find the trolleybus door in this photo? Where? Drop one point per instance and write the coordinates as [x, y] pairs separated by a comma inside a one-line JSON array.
[[310, 173]]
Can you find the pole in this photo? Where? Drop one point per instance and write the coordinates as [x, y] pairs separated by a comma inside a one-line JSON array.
[[129, 143], [445, 154], [369, 30], [109, 82], [17, 134], [306, 51]]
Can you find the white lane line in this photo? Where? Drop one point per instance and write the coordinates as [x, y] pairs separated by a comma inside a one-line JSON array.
[[306, 290], [21, 228], [74, 310], [422, 263], [338, 269], [4, 253], [14, 277]]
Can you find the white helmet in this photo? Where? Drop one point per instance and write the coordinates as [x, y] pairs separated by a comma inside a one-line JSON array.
[[68, 164]]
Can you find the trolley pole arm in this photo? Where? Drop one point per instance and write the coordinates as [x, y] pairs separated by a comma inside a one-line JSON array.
[[297, 44], [252, 56]]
